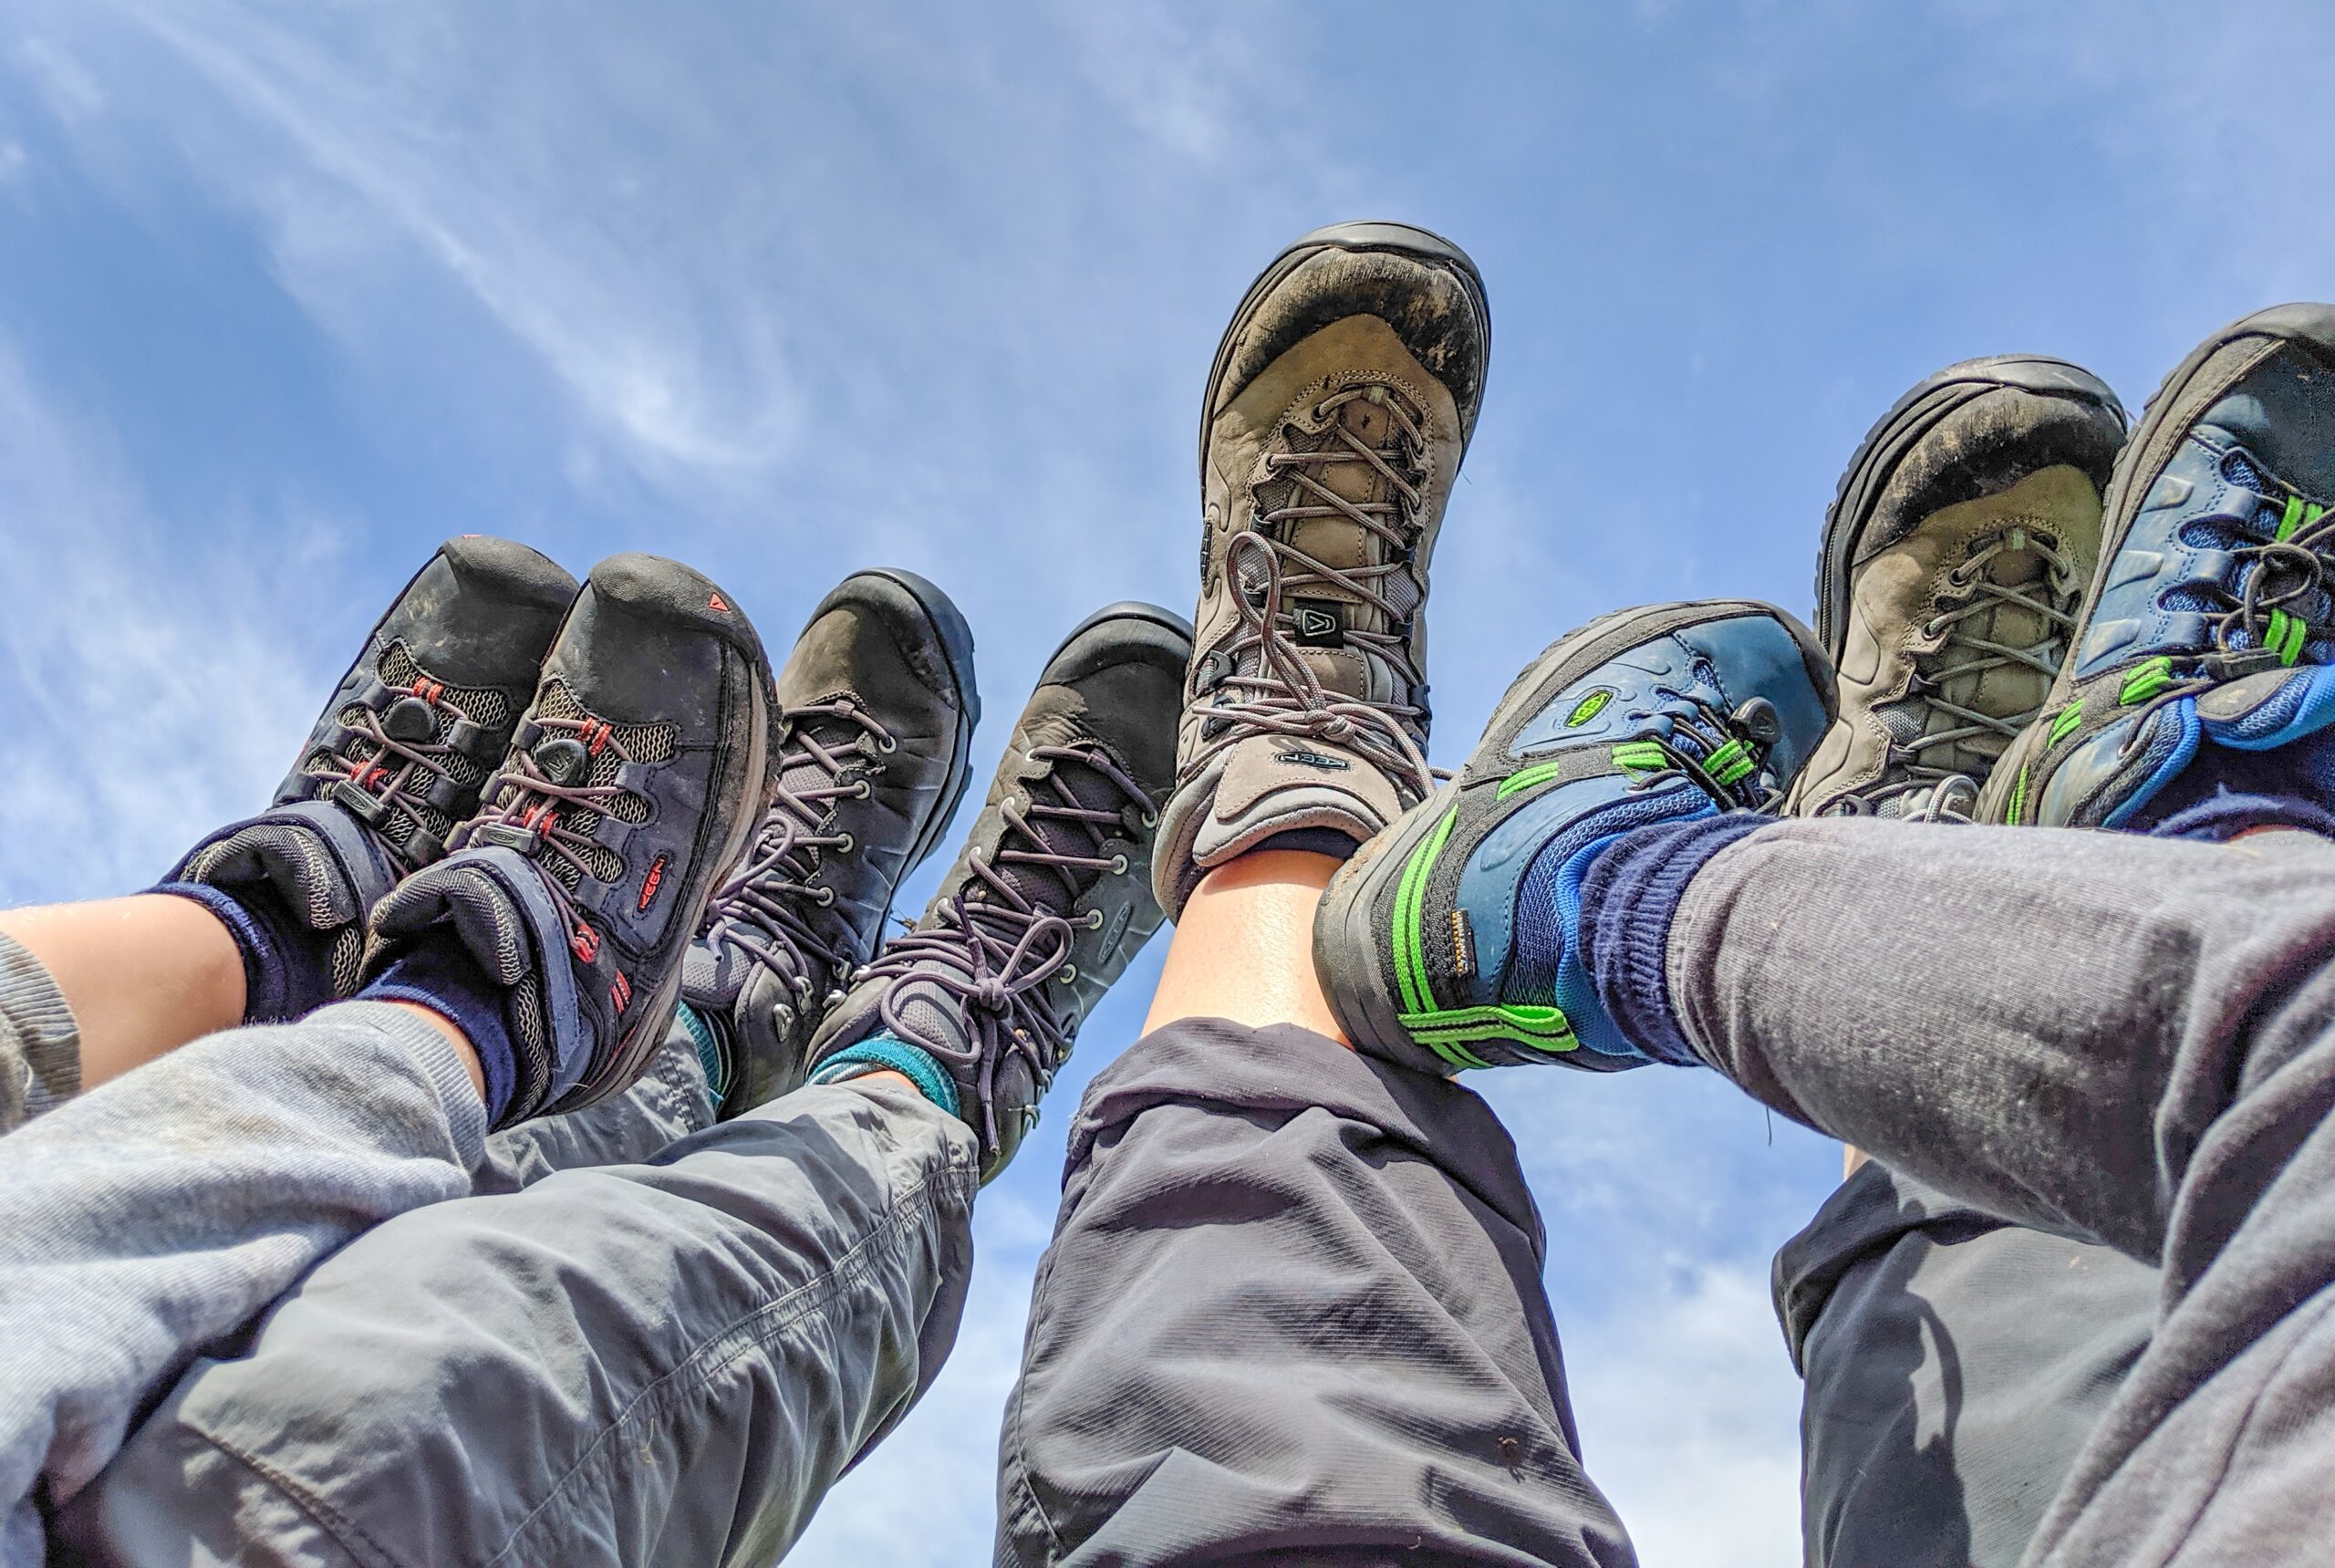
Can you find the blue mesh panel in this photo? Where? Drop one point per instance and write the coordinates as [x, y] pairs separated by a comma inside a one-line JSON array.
[[2215, 534], [2191, 597], [2238, 470]]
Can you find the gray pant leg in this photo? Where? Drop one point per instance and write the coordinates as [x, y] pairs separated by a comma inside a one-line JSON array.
[[1292, 1313], [2125, 1040], [669, 1102], [40, 1044], [1956, 1363], [152, 1218], [645, 1365]]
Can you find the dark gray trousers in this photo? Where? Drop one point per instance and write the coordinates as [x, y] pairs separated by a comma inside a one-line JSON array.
[[1293, 1311]]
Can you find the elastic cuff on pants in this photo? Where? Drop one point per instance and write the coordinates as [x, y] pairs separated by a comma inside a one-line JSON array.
[[37, 1026], [1627, 902]]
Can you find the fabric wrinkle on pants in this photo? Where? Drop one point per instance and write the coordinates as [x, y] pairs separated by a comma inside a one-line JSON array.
[[40, 1044], [1293, 1312], [666, 1362], [151, 1219], [2136, 1047], [1956, 1363]]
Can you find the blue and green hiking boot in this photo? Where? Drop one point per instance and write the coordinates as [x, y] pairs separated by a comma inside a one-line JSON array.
[[1450, 940], [2205, 639]]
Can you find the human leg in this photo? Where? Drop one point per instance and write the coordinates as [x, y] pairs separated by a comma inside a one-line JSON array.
[[151, 1219], [1954, 1364], [671, 1361]]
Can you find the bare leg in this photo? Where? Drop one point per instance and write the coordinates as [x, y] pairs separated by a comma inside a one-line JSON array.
[[143, 975], [1244, 946]]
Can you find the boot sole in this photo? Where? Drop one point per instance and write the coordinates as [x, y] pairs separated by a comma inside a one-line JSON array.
[[1911, 418], [1347, 956], [1359, 236]]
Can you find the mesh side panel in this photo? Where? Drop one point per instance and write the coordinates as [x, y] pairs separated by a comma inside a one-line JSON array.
[[525, 1012], [348, 959], [2190, 596], [2238, 470], [481, 705], [645, 743], [1904, 720], [2215, 534]]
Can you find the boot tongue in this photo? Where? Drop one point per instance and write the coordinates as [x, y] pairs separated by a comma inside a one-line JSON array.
[[931, 1016]]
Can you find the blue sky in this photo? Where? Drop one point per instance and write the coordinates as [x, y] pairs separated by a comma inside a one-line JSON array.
[[290, 292]]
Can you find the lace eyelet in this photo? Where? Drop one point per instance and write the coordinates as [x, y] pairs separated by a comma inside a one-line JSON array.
[[845, 844], [863, 789], [1067, 975], [1118, 864], [1092, 920], [826, 898], [887, 745], [1150, 819]]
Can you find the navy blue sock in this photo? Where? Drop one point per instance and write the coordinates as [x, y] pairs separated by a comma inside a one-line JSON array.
[[287, 967], [1628, 899], [2221, 817], [439, 974]]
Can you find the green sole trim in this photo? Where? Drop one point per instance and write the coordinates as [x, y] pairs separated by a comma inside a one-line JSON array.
[[1449, 1032], [1410, 894]]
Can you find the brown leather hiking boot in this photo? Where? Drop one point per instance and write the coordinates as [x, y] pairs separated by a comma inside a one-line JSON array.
[[1341, 403], [1955, 556]]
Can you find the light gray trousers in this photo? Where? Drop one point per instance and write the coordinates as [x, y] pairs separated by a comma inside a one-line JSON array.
[[667, 1361]]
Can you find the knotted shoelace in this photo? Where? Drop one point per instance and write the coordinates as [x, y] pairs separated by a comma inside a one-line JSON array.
[[1283, 695], [762, 910], [993, 947]]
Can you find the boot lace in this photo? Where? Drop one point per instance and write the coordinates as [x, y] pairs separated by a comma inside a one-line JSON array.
[[1274, 689], [1725, 754], [763, 910], [2281, 605], [1970, 650], [993, 949]]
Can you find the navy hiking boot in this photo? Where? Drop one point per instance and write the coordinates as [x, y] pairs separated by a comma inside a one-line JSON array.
[[1451, 941], [633, 783], [394, 764], [876, 713], [1955, 553], [2205, 640], [981, 1002]]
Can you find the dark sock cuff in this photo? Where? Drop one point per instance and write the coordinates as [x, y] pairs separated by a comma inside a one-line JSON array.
[[282, 977], [1327, 841], [1628, 899], [441, 975], [2225, 816]]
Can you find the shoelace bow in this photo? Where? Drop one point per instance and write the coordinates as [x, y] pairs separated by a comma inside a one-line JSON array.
[[761, 911], [1284, 696], [1749, 732], [385, 781], [993, 948], [1981, 655], [2289, 570]]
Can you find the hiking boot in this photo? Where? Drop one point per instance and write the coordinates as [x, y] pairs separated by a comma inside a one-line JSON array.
[[1955, 556], [1049, 900], [2209, 620], [396, 760], [633, 783], [876, 713], [1447, 941], [1338, 410]]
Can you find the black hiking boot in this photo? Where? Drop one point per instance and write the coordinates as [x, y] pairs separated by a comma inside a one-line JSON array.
[[633, 783], [394, 764], [1050, 898], [876, 709]]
